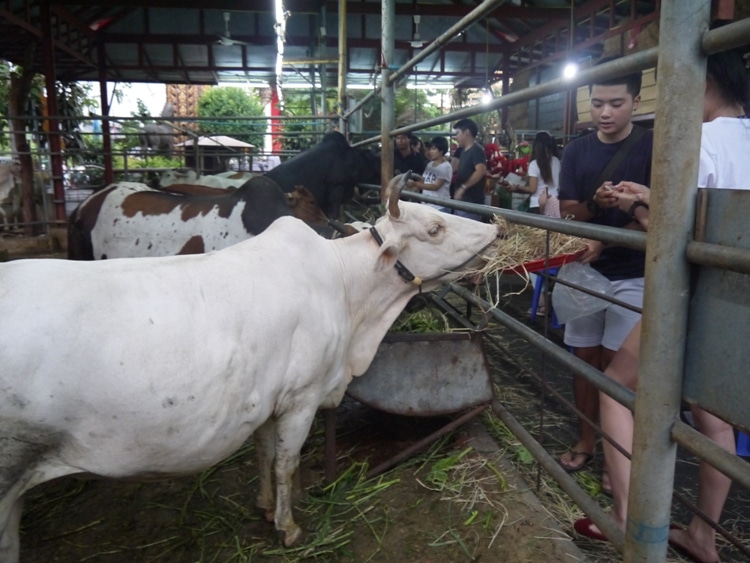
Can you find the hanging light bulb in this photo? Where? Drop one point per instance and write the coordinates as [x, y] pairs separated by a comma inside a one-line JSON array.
[[570, 70], [487, 96]]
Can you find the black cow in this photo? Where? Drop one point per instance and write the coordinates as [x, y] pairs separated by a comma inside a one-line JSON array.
[[330, 170]]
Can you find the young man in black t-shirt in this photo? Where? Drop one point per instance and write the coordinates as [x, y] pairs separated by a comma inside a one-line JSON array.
[[595, 338]]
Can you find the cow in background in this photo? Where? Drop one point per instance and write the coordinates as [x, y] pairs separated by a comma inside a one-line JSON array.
[[158, 137], [10, 172], [11, 191], [174, 362], [183, 176], [131, 220], [330, 170]]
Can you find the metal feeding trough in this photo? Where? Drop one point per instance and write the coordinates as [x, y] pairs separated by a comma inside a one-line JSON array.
[[425, 375], [420, 375]]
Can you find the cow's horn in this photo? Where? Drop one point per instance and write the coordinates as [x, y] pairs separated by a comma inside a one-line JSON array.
[[396, 194]]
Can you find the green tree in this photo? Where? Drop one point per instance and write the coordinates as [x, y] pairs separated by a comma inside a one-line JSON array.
[[300, 135], [232, 102], [73, 101], [410, 106]]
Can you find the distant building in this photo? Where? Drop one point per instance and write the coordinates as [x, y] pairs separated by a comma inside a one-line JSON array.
[[184, 98]]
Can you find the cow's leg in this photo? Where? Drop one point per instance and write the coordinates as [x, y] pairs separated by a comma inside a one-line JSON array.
[[5, 218], [15, 479], [291, 432], [265, 440], [25, 463], [10, 521]]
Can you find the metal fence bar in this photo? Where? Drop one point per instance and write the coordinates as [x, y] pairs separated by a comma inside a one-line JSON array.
[[560, 355], [717, 256], [630, 63], [613, 235], [677, 135], [566, 482]]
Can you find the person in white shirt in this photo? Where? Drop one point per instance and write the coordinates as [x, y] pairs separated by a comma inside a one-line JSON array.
[[544, 171], [437, 174]]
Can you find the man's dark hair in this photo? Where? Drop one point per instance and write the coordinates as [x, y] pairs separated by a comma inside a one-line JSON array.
[[467, 125], [631, 81], [440, 143]]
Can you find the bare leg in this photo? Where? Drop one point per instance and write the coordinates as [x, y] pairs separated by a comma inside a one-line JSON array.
[[699, 538], [586, 401], [617, 422]]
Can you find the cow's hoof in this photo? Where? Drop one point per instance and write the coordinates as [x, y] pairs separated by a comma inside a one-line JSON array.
[[268, 513], [267, 507], [292, 535]]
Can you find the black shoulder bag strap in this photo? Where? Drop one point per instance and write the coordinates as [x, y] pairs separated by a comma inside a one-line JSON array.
[[635, 135]]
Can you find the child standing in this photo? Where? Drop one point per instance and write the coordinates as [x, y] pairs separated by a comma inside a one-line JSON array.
[[437, 174]]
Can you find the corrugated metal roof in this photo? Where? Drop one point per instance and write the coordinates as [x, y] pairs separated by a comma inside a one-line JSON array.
[[186, 42]]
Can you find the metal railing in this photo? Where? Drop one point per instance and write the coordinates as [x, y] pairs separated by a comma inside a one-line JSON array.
[[670, 251]]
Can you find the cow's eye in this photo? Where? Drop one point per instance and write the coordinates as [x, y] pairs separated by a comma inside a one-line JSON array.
[[435, 229]]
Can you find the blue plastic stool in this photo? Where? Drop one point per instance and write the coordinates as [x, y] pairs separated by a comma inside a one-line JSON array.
[[538, 290], [743, 444]]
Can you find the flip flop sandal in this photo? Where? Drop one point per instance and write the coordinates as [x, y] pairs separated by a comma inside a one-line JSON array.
[[587, 457]]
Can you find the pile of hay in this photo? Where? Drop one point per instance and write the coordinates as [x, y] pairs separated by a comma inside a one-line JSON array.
[[522, 244]]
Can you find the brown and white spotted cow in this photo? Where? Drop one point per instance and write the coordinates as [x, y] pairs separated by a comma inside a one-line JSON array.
[[131, 220]]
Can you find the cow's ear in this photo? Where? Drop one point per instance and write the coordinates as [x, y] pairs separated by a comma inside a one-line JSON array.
[[388, 256]]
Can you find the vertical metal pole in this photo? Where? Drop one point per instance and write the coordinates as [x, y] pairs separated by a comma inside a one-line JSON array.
[[506, 87], [681, 70], [387, 93], [323, 53], [109, 175], [55, 146], [342, 65]]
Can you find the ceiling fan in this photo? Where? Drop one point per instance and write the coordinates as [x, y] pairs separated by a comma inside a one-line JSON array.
[[226, 39], [416, 40]]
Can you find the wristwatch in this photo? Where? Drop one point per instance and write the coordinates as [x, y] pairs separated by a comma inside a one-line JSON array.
[[636, 205]]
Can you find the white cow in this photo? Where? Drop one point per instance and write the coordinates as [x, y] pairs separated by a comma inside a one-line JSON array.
[[136, 368]]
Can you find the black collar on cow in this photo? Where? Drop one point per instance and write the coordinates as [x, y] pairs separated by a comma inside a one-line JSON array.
[[402, 270]]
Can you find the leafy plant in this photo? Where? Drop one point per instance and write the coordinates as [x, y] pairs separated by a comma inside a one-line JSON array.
[[423, 321], [232, 102]]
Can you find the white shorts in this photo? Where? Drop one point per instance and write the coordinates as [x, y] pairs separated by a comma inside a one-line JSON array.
[[609, 327]]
